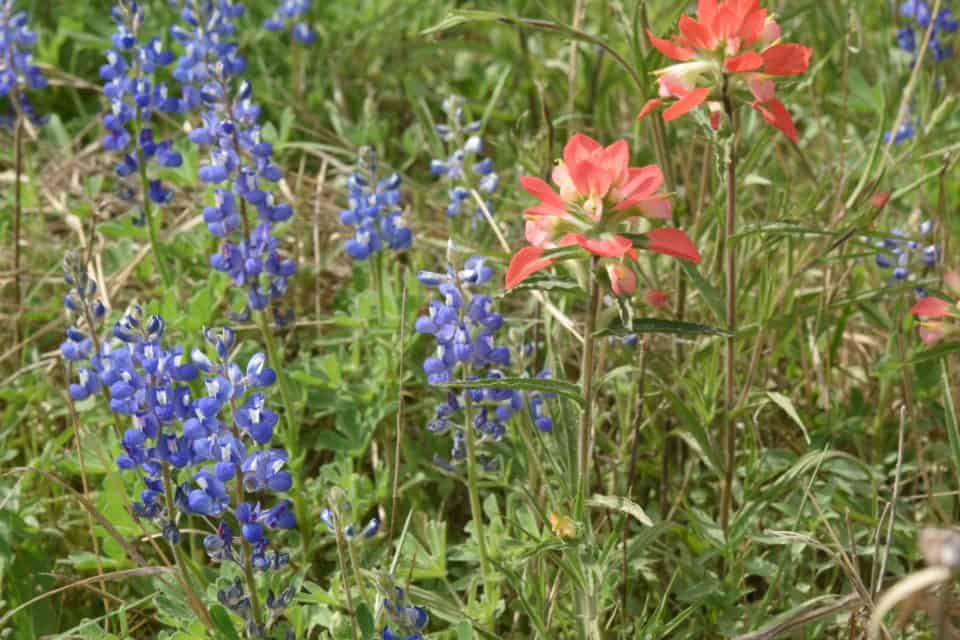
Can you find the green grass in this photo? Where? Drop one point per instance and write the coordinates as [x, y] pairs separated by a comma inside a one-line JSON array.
[[827, 359]]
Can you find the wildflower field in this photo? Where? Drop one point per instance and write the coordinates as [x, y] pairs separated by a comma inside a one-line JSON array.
[[562, 319]]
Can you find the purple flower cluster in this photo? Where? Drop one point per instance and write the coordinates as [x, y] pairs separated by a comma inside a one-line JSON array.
[[290, 15], [374, 209], [135, 95], [205, 37], [187, 449], [464, 325], [465, 168], [17, 70], [919, 13], [901, 255], [405, 621], [239, 165]]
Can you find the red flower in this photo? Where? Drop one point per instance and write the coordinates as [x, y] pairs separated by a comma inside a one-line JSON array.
[[729, 38], [656, 298], [598, 193], [935, 312]]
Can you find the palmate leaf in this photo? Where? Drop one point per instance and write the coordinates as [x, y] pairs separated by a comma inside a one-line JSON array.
[[657, 325], [565, 389]]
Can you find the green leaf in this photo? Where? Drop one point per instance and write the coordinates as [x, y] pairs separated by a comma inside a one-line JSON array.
[[712, 297], [544, 282], [464, 631], [786, 404], [656, 325], [565, 389], [455, 19], [569, 252], [935, 353], [616, 503], [365, 621], [221, 619], [953, 430]]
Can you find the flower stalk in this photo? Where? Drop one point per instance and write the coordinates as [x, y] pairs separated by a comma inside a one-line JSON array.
[[152, 231], [585, 436], [17, 212], [473, 489], [196, 603], [730, 229]]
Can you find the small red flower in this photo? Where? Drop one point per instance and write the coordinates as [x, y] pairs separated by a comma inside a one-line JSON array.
[[937, 316], [656, 298], [623, 281], [728, 38], [598, 192]]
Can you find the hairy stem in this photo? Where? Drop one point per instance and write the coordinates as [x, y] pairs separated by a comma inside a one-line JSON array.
[[351, 611], [293, 429], [473, 489], [17, 211], [247, 563], [730, 228], [585, 436], [153, 230], [196, 603]]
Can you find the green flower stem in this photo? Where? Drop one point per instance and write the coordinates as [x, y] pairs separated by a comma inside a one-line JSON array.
[[473, 489], [293, 430], [351, 611], [153, 230], [196, 603], [247, 564], [355, 567], [730, 266], [585, 436], [376, 266], [17, 212]]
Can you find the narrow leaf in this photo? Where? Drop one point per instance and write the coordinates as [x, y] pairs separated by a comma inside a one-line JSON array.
[[953, 430], [657, 325], [616, 503], [565, 389], [786, 404]]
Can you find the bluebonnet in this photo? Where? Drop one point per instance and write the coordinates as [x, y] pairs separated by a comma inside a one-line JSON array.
[[240, 169], [919, 12], [82, 303], [374, 209], [17, 70], [902, 256], [206, 38], [465, 168], [208, 455], [291, 14], [465, 324], [335, 516], [405, 621], [906, 131], [135, 95]]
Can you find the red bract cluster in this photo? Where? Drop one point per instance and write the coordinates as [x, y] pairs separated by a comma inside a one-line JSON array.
[[939, 317], [598, 194], [729, 39]]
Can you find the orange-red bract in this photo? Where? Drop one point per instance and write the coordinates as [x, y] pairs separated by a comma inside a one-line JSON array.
[[728, 38], [595, 185]]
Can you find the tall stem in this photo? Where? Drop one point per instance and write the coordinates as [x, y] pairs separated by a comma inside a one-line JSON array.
[[730, 228], [152, 229], [343, 575], [473, 489], [196, 603], [247, 562], [17, 209], [293, 429], [376, 266], [585, 437]]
